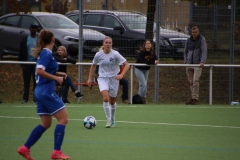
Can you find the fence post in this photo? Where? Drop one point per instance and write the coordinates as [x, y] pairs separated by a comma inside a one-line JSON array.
[[231, 73]]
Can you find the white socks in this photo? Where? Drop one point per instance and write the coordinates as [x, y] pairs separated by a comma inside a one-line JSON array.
[[113, 107], [107, 110], [110, 111]]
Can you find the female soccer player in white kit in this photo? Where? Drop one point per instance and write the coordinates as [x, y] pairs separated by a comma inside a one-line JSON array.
[[109, 76]]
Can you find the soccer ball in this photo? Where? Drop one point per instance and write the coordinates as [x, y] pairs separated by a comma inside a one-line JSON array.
[[89, 122]]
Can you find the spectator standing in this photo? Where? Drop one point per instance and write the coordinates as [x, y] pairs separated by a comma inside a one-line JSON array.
[[108, 79], [195, 53], [28, 70], [147, 56], [61, 56], [48, 102]]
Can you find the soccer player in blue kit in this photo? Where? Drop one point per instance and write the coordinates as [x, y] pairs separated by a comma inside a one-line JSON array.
[[108, 77], [48, 102]]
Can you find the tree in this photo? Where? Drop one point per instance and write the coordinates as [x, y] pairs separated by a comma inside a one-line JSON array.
[[150, 19], [15, 6], [61, 7]]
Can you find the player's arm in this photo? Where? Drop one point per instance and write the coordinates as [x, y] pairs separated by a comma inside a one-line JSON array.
[[44, 74], [125, 67], [92, 68]]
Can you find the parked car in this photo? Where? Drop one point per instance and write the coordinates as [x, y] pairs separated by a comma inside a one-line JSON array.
[[128, 31], [14, 27]]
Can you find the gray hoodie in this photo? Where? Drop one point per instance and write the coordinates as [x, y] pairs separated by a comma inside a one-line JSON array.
[[195, 50]]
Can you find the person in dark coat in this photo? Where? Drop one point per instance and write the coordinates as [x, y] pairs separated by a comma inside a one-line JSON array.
[[61, 56], [147, 56], [28, 70]]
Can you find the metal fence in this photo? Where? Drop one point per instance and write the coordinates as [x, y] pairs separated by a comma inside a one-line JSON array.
[[219, 24]]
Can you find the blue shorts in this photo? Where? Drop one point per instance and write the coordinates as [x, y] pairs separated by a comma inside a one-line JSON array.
[[48, 102]]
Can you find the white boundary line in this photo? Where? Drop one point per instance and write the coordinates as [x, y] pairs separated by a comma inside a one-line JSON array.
[[136, 106], [170, 124]]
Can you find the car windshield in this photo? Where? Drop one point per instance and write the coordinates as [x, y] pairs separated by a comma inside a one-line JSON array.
[[58, 22]]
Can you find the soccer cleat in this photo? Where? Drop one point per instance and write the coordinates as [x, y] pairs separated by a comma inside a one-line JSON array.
[[113, 124], [25, 152], [109, 124], [58, 155], [78, 95]]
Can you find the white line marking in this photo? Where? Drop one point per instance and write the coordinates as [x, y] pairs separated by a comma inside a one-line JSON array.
[[170, 124], [133, 106]]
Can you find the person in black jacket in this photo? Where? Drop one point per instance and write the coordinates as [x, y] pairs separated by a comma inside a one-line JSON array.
[[28, 70], [147, 56], [61, 56]]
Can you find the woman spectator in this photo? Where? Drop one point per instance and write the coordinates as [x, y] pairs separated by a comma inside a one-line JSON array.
[[147, 56], [61, 56]]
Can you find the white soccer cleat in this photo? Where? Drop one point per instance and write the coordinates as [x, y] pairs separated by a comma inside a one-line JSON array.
[[109, 124]]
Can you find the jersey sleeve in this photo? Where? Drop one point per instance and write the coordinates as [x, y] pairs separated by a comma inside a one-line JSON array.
[[43, 60], [95, 59], [120, 58]]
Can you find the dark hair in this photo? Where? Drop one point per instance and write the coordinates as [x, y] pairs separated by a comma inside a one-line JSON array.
[[44, 38], [34, 25], [150, 56]]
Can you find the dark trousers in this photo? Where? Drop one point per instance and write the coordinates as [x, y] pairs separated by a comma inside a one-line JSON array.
[[66, 84], [28, 71], [124, 83]]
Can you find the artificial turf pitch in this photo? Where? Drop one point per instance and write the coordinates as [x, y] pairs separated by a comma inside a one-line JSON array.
[[142, 132]]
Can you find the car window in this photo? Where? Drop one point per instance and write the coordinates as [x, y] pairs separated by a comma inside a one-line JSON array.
[[110, 22], [27, 21], [56, 21], [11, 21], [92, 20], [134, 21], [74, 18]]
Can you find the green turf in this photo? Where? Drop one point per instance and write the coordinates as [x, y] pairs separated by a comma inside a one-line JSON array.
[[143, 132]]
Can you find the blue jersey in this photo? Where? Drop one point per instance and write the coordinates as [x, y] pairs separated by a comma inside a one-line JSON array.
[[48, 102], [47, 62]]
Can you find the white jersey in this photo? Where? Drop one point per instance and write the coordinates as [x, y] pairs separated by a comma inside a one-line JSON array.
[[108, 63]]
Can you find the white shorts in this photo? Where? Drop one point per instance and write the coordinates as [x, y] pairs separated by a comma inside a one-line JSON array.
[[109, 84]]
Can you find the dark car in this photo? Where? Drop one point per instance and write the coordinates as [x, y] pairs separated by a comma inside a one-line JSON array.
[[14, 27], [128, 31]]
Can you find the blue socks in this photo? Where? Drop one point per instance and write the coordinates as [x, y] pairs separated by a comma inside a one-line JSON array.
[[58, 136], [34, 136]]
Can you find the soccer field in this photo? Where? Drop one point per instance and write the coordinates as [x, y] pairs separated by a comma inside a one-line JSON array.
[[142, 132]]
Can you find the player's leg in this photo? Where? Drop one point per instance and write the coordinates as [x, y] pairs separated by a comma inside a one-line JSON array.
[[106, 107], [113, 90], [113, 106], [59, 133], [35, 136], [103, 84]]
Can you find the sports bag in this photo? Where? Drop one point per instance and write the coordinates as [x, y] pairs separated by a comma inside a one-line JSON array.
[[137, 99]]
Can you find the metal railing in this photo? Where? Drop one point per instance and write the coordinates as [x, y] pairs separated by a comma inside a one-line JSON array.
[[132, 65]]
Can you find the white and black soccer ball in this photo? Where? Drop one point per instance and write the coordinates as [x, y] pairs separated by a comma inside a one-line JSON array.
[[89, 122]]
